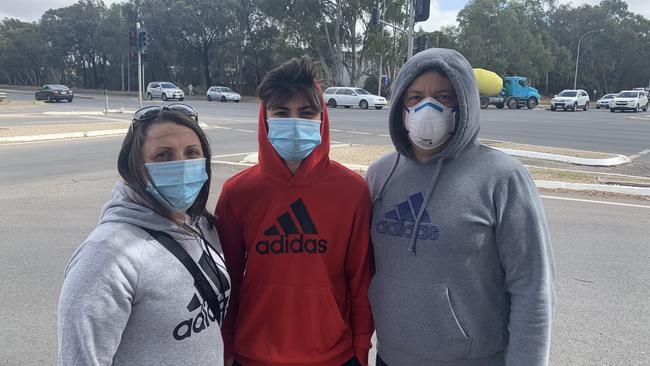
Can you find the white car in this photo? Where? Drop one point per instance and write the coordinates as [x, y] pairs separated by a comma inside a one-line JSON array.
[[605, 101], [222, 93], [634, 100], [351, 97], [571, 99], [164, 90]]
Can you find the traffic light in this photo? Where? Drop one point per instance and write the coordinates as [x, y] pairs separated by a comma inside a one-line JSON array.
[[421, 43], [422, 8], [374, 19], [133, 39], [142, 39]]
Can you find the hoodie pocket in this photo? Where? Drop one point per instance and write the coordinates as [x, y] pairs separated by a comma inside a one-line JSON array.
[[417, 319], [286, 324]]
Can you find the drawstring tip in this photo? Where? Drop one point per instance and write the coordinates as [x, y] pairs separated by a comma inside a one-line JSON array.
[[412, 251]]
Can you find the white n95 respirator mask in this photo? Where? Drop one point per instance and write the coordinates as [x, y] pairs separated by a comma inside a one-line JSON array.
[[429, 123]]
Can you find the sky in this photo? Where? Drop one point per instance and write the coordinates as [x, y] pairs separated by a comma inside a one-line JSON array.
[[443, 12]]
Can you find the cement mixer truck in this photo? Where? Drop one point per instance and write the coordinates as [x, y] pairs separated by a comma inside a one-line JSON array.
[[511, 91]]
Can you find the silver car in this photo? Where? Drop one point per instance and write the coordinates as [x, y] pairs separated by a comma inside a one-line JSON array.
[[605, 101], [164, 90], [222, 93]]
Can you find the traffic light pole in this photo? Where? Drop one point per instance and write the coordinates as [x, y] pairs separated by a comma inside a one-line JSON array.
[[411, 29], [139, 72]]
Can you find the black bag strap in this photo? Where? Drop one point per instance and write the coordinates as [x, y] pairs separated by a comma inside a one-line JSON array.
[[200, 281]]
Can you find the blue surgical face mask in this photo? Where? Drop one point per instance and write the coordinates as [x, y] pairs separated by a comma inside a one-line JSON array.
[[176, 184], [294, 138]]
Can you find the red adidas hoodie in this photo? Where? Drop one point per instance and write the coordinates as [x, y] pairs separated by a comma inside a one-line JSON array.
[[297, 248]]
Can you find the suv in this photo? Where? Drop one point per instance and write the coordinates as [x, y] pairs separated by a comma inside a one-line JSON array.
[[222, 93], [571, 99], [634, 100], [349, 97], [164, 90]]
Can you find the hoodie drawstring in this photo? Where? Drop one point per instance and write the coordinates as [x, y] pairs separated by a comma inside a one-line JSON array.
[[427, 197], [390, 174]]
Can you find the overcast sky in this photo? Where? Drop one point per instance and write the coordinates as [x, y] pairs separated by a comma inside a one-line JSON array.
[[443, 12]]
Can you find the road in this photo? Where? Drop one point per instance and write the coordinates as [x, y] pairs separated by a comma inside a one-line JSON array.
[[595, 130], [52, 192]]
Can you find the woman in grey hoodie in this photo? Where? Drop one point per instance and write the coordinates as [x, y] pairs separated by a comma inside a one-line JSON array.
[[126, 299], [464, 269]]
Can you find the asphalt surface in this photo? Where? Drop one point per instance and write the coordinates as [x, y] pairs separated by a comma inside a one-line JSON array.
[[596, 130]]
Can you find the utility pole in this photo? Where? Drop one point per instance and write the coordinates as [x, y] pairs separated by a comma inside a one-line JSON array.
[[575, 76], [137, 27]]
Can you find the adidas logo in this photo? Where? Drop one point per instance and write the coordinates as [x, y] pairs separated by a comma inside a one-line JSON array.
[[402, 219], [292, 240], [205, 317]]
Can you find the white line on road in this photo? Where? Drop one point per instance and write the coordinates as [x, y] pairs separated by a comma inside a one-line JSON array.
[[644, 152], [242, 130], [229, 155], [593, 201]]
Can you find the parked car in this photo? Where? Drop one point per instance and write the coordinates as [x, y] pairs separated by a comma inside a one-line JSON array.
[[571, 99], [633, 100], [605, 100], [222, 93], [164, 90], [350, 97], [54, 92]]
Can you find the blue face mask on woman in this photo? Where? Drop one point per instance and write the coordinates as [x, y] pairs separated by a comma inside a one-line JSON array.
[[294, 138], [176, 184]]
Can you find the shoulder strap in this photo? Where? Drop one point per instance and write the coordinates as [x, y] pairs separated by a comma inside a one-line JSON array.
[[200, 281]]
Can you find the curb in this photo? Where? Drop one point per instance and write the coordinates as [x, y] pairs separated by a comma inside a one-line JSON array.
[[637, 191], [617, 160], [59, 136], [91, 113], [251, 160], [68, 135]]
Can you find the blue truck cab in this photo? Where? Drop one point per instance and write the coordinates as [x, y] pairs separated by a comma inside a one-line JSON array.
[[516, 93]]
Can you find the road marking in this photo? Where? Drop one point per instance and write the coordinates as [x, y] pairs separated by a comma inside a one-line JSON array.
[[230, 155], [634, 157], [594, 201], [242, 130], [644, 152]]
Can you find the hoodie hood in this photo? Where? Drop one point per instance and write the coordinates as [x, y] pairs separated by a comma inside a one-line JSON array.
[[460, 73], [311, 168], [126, 206]]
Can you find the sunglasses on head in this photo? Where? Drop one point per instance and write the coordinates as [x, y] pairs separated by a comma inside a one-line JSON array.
[[152, 111]]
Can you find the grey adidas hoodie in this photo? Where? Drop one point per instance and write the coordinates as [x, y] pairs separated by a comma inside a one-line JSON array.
[[126, 300], [475, 285]]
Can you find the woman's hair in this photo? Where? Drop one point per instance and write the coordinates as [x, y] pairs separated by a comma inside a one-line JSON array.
[[130, 164], [296, 76]]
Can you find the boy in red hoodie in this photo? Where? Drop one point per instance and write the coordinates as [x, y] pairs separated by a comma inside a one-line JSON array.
[[295, 234]]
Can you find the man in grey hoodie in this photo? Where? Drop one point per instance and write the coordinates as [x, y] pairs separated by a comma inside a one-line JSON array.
[[464, 268]]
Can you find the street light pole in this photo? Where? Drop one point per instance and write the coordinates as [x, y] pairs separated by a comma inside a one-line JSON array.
[[575, 76]]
